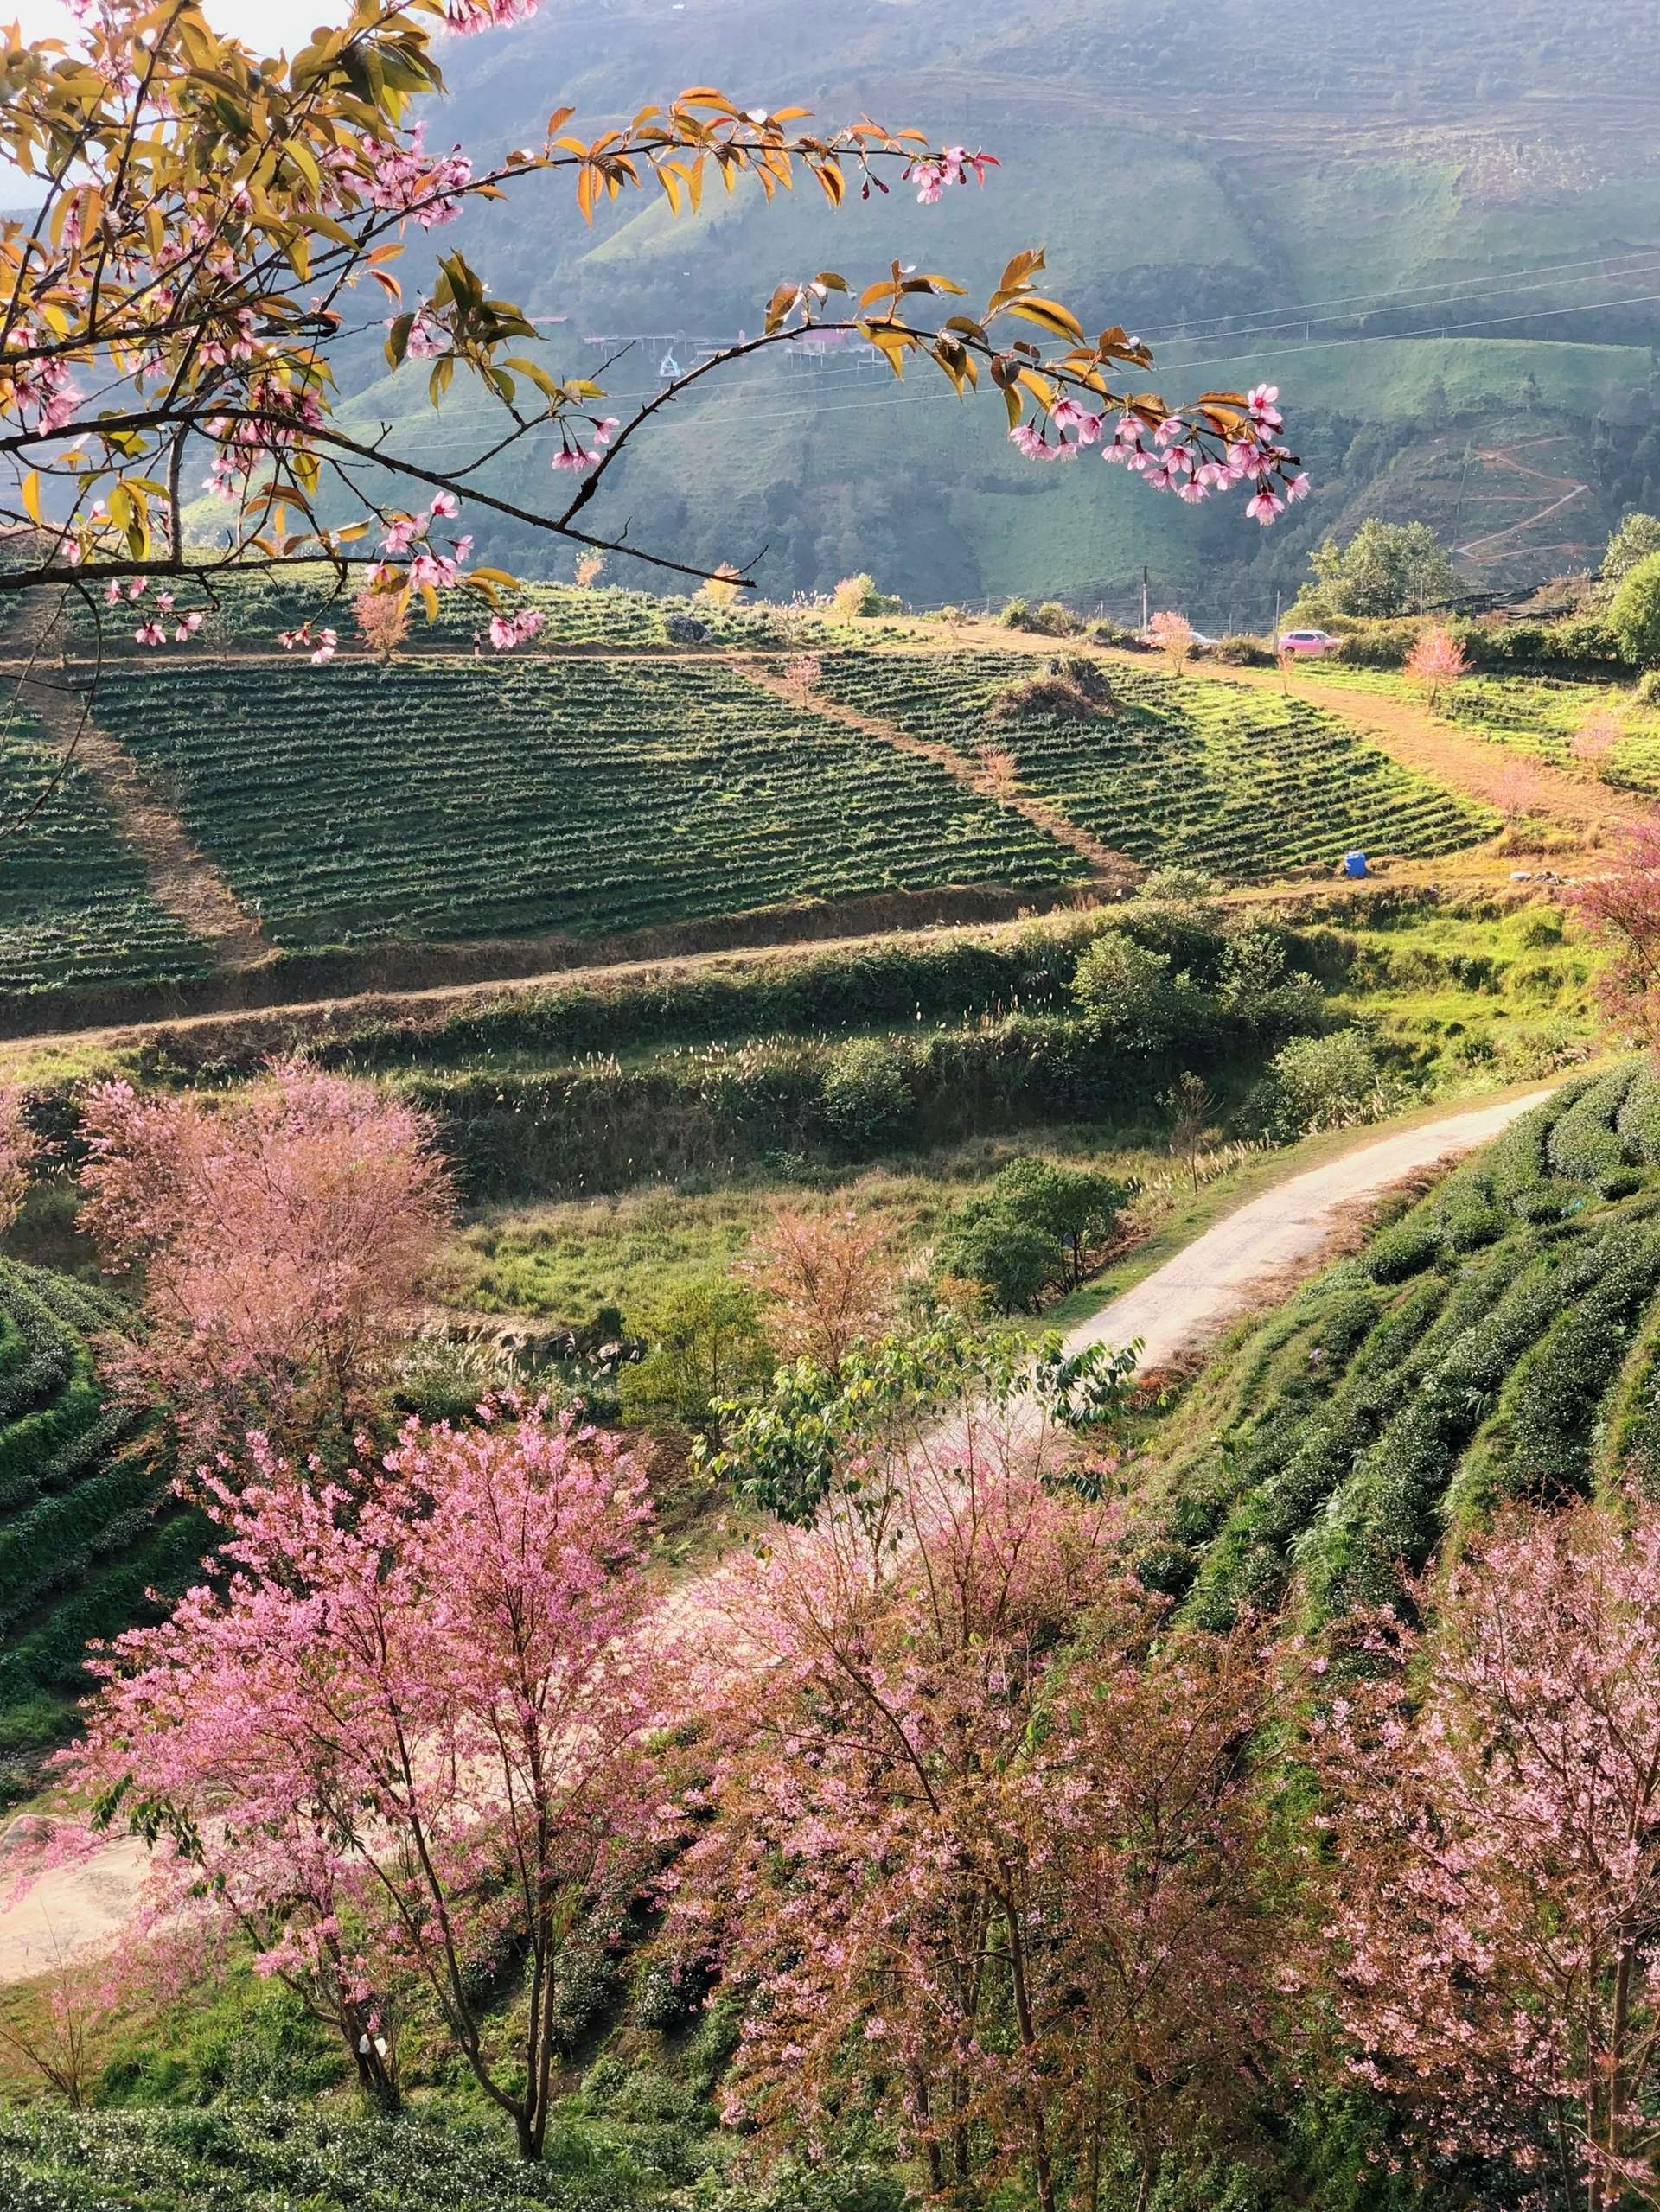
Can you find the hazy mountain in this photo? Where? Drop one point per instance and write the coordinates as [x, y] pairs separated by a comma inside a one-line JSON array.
[[1443, 243]]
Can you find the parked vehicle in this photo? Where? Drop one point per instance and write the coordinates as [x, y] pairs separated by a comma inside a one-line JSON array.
[[1310, 643]]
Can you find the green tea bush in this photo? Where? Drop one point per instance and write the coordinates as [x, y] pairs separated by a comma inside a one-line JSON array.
[[273, 2157]]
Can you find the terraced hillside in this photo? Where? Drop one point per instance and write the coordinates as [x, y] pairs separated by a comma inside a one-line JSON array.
[[1244, 782], [86, 1524], [1500, 1342], [74, 905], [611, 778], [441, 799]]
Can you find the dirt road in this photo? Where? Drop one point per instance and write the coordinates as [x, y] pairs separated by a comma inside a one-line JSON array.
[[1268, 1241], [1272, 1239]]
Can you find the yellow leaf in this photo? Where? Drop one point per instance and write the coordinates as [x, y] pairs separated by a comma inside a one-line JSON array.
[[430, 601], [1048, 314], [32, 496]]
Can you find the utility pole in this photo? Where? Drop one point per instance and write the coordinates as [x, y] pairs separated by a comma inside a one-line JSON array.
[[1276, 619], [1143, 594]]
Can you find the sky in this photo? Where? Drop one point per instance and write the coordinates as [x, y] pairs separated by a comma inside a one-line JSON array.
[[265, 24]]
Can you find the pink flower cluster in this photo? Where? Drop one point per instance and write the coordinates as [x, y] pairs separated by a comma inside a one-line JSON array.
[[508, 631], [280, 417], [465, 17], [322, 645], [933, 172], [153, 630], [1180, 458], [408, 181], [44, 388], [604, 428]]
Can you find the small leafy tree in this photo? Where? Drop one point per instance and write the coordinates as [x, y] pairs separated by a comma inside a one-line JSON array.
[[919, 1399], [1327, 1082], [1385, 568], [1437, 659], [867, 1101], [827, 1280], [707, 1344], [1036, 1223], [400, 1740], [1191, 1108], [1634, 617], [1136, 996], [280, 1236], [1012, 1260], [1638, 538]]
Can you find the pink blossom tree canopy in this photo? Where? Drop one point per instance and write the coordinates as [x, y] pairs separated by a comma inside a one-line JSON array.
[[278, 1236], [401, 1737], [1494, 1897], [999, 1892]]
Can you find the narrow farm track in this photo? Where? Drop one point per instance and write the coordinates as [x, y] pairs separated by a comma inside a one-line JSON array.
[[1452, 758], [1274, 1240], [181, 879], [1109, 870]]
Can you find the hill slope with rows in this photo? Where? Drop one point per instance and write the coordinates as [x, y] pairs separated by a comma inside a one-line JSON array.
[[74, 904], [1191, 771], [1499, 1343], [86, 1524], [442, 799]]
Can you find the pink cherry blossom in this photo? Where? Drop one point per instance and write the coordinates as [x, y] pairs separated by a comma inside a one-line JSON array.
[[149, 634]]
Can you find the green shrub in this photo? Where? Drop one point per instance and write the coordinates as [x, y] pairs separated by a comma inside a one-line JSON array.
[[1239, 651], [1016, 615], [867, 1102], [707, 1346], [1014, 1261], [1135, 995], [1634, 617], [1327, 1082], [1051, 619]]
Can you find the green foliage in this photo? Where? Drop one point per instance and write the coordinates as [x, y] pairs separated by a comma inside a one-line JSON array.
[[269, 2158], [1326, 1082], [705, 1345], [1474, 1354], [1031, 1229], [1637, 539], [1244, 783], [1386, 568], [817, 1434], [75, 909], [86, 1524], [867, 1101], [1634, 616], [441, 798], [1133, 994]]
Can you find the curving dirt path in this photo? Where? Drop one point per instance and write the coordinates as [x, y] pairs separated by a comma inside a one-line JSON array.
[[1264, 1244], [1278, 1238]]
